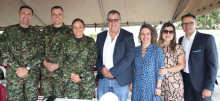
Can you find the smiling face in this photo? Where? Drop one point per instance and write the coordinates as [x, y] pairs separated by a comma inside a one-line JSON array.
[[189, 25], [145, 36], [57, 16], [25, 16], [114, 23], [168, 34], [78, 29]]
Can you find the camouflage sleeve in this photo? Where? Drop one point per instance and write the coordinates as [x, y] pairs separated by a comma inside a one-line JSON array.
[[45, 40], [88, 83], [88, 72], [39, 57], [63, 56], [6, 54], [92, 55], [1, 48]]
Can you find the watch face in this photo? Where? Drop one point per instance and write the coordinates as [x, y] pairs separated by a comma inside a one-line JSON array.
[[28, 68]]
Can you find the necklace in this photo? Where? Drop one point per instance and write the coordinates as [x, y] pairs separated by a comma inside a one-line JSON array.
[[144, 48], [143, 51]]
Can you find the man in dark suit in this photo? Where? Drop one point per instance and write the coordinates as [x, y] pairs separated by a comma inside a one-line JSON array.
[[200, 72], [116, 51]]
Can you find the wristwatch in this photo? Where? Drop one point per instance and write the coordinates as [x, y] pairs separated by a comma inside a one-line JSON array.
[[28, 68], [80, 77]]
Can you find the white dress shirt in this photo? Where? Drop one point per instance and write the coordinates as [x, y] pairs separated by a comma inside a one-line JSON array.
[[108, 52], [187, 44]]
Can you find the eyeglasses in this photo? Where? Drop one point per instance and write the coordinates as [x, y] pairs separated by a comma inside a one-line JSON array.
[[188, 24], [112, 20], [167, 31]]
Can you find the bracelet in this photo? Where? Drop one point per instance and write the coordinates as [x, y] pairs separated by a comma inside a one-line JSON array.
[[168, 71], [159, 88]]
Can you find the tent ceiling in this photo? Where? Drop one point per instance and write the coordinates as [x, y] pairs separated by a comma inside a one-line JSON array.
[[133, 12]]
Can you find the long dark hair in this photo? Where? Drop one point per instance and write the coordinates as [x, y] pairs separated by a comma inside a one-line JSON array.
[[173, 41]]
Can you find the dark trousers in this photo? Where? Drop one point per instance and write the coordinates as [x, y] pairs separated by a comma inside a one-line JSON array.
[[190, 94]]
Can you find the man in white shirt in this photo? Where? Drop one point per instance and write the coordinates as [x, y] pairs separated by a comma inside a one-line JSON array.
[[200, 72], [116, 51]]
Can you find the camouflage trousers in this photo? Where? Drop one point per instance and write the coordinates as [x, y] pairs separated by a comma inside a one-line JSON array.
[[52, 87], [22, 90], [79, 90]]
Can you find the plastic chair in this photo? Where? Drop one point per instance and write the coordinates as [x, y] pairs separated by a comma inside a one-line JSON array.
[[3, 86], [3, 82]]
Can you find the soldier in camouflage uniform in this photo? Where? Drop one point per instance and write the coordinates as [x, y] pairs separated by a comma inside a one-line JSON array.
[[22, 50], [81, 52], [51, 73]]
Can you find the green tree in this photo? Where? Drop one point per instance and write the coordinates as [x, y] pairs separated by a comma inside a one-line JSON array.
[[93, 35], [209, 21]]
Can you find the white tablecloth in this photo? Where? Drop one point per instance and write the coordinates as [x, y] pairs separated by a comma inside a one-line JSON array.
[[63, 99]]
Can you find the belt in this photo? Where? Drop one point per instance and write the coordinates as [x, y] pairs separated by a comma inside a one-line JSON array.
[[186, 74]]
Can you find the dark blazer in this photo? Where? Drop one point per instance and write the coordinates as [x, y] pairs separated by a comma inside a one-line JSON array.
[[123, 56], [203, 62]]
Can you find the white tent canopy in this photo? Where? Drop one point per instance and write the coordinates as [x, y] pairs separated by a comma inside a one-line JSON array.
[[93, 12]]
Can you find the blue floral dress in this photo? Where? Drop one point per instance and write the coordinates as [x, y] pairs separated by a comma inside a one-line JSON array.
[[146, 73]]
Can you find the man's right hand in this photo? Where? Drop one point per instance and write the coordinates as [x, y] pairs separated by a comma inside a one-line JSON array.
[[47, 65], [104, 70], [51, 66], [22, 72]]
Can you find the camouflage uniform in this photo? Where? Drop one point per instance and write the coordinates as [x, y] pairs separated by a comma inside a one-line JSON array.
[[51, 81], [81, 58], [21, 48]]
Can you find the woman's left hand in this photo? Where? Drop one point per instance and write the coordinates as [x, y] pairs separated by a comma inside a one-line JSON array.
[[157, 92], [75, 78], [163, 71]]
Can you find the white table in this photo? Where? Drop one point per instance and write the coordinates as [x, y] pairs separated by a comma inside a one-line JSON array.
[[62, 99]]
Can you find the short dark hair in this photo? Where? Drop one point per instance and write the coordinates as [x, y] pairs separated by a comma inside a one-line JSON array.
[[114, 12], [28, 7], [80, 20], [56, 7], [188, 15]]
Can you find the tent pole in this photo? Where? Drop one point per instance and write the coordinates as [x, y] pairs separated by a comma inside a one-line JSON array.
[[177, 10], [103, 13], [35, 16]]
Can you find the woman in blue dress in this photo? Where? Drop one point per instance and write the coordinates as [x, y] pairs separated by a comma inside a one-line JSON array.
[[149, 58]]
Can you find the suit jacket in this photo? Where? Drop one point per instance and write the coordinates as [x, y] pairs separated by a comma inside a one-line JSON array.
[[123, 56], [203, 62]]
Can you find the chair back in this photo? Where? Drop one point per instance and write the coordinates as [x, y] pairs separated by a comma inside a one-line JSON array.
[[3, 82]]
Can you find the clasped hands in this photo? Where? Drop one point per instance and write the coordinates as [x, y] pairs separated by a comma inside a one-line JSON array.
[[22, 72], [106, 72], [51, 66], [75, 78]]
